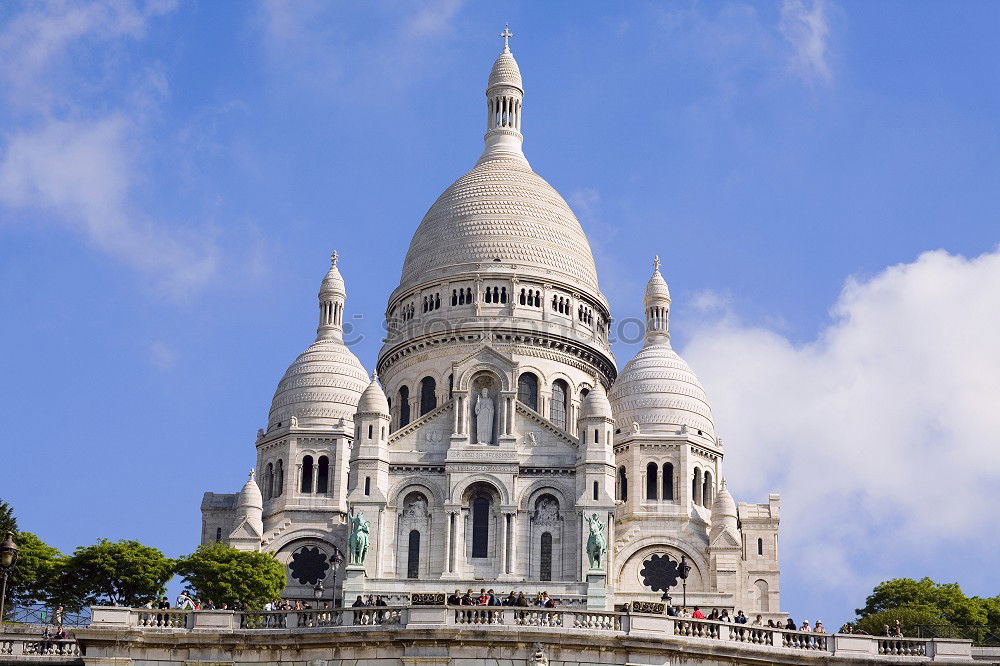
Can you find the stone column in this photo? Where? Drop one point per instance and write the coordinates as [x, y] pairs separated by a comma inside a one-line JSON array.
[[446, 559], [502, 524]]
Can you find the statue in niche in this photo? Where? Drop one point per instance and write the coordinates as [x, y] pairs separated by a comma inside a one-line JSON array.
[[416, 508], [484, 417], [547, 512]]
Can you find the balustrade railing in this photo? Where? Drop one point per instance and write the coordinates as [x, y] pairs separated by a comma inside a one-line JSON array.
[[164, 618], [907, 647], [40, 647], [376, 615], [753, 634]]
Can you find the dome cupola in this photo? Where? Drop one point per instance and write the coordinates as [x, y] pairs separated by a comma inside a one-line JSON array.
[[373, 400], [657, 389], [724, 513], [504, 95], [596, 403], [324, 384]]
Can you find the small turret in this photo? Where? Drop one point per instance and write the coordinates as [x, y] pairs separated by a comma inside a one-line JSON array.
[[332, 295], [504, 94], [249, 517], [595, 458], [724, 515], [657, 304]]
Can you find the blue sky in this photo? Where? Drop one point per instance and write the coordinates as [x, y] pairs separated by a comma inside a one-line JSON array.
[[821, 179]]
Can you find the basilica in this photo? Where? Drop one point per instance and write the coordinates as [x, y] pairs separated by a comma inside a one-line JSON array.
[[495, 444]]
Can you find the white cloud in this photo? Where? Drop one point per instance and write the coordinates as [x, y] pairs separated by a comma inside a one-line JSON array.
[[162, 355], [434, 18], [77, 167], [806, 29], [82, 172], [883, 434]]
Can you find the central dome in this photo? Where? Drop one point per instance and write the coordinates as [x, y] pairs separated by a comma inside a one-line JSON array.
[[501, 213]]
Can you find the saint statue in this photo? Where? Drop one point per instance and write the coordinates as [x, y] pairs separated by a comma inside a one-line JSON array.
[[357, 543], [484, 417], [597, 542]]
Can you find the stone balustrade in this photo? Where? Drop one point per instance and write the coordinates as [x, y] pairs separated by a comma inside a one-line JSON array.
[[38, 647], [563, 621]]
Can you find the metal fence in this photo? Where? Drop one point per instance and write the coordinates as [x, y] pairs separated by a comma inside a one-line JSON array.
[[46, 615], [978, 634]]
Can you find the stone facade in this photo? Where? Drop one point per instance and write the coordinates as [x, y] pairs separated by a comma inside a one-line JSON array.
[[497, 445]]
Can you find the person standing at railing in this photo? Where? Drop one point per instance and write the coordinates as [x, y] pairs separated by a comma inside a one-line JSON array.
[[697, 614], [671, 610], [790, 625]]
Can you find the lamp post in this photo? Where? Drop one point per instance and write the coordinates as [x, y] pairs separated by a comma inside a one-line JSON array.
[[318, 590], [683, 570], [8, 557]]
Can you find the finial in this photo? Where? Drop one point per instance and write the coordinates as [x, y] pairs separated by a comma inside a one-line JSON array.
[[374, 375], [333, 258], [252, 470], [506, 34], [656, 263]]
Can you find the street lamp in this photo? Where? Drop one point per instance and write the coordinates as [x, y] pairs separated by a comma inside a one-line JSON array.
[[683, 570], [318, 590], [8, 557]]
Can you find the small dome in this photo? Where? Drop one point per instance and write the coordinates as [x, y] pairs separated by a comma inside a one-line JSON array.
[[596, 403], [656, 288], [373, 400], [724, 505], [658, 390], [334, 281], [505, 71], [250, 496], [321, 387]]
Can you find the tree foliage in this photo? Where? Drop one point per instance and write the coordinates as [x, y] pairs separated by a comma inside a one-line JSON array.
[[925, 602], [125, 573], [8, 523], [36, 567], [229, 576]]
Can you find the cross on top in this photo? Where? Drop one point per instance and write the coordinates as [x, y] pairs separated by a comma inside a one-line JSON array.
[[656, 263], [333, 258], [506, 34]]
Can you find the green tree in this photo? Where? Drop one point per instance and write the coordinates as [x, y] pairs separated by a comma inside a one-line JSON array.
[[36, 567], [910, 616], [8, 523], [125, 573], [228, 576], [947, 599]]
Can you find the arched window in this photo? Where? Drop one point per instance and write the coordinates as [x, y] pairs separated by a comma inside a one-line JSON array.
[[454, 297], [696, 486], [596, 490], [622, 484], [545, 565], [527, 390], [413, 555], [218, 534], [269, 481], [404, 406], [307, 474], [451, 386], [651, 481], [707, 490], [279, 479], [480, 526], [428, 398], [371, 431], [368, 485], [557, 408], [323, 475], [760, 546], [668, 482], [763, 603]]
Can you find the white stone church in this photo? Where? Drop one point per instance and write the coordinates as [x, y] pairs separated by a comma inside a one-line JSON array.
[[496, 429]]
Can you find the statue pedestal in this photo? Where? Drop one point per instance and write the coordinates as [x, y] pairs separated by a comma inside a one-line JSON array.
[[354, 583], [597, 591]]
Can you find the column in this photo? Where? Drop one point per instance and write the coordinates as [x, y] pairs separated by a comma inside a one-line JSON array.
[[446, 565], [512, 543], [503, 543]]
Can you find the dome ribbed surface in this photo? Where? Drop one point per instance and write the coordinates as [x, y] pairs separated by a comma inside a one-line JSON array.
[[373, 400], [656, 289], [658, 390], [501, 209], [250, 495], [596, 403], [322, 386], [505, 71]]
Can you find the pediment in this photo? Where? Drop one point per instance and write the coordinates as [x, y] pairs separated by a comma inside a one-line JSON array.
[[245, 531], [545, 432], [485, 357], [724, 541], [431, 432]]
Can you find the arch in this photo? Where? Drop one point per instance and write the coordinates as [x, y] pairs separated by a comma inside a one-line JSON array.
[[413, 555], [545, 560], [306, 485], [642, 546], [269, 481], [652, 481], [323, 475], [498, 373], [668, 481], [558, 407], [404, 406], [402, 489], [463, 490], [428, 395], [527, 389], [707, 490], [763, 602], [529, 498], [279, 478], [622, 484]]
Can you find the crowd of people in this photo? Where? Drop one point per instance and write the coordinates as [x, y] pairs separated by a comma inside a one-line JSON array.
[[491, 598]]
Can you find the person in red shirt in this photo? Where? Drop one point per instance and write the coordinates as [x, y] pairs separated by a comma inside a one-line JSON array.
[[697, 614]]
